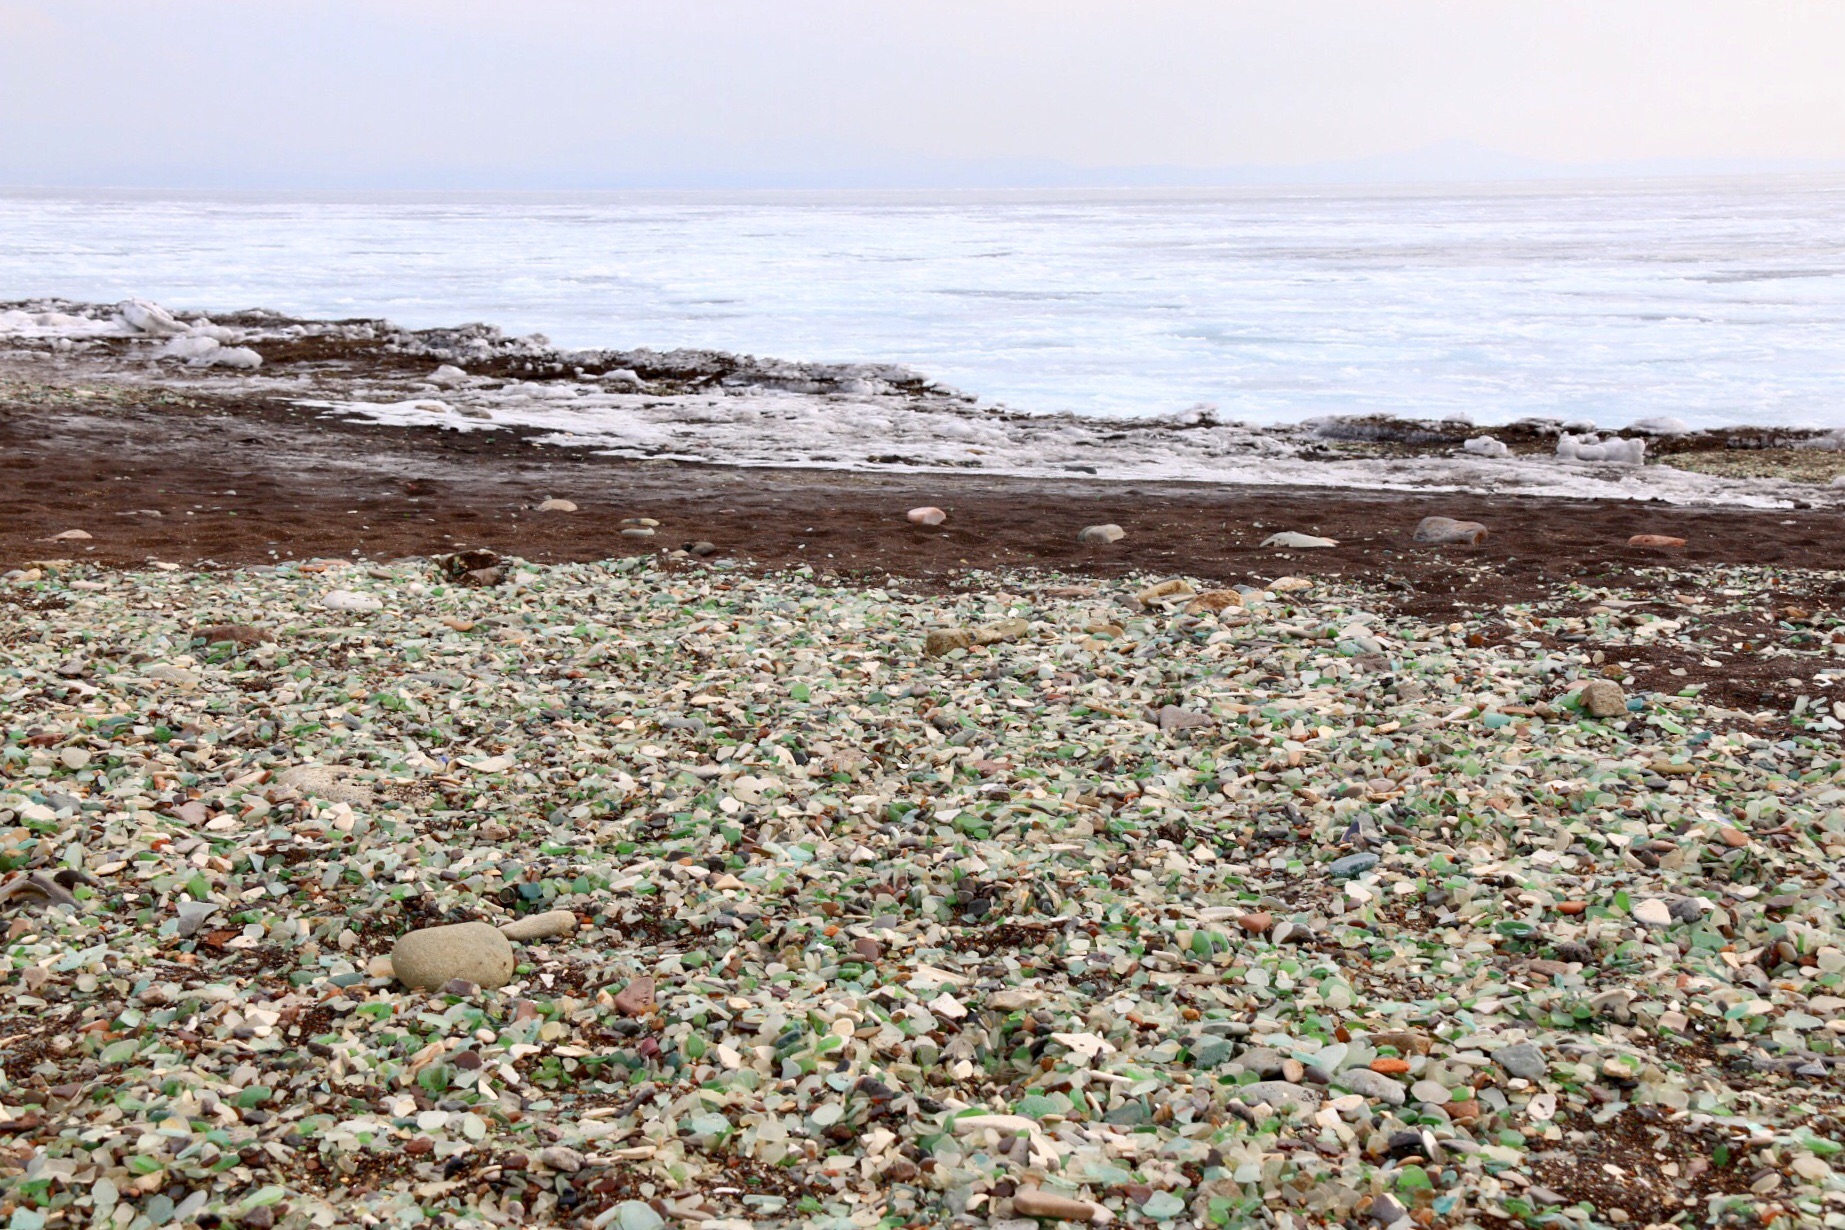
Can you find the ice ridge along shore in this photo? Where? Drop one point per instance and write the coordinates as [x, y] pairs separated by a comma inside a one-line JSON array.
[[720, 408]]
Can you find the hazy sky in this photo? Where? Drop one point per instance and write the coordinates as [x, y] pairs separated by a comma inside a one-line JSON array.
[[537, 93]]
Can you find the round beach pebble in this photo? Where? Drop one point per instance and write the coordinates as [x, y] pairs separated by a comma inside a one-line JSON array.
[[927, 515], [555, 505], [471, 951], [1101, 534], [1655, 540]]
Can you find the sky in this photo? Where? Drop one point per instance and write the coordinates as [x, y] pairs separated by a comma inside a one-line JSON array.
[[744, 93]]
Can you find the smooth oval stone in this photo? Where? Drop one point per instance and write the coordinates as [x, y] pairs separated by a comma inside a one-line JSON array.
[[1352, 864], [1440, 530], [1373, 1085], [472, 951]]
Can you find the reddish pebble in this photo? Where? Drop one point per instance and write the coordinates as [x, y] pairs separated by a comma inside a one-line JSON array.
[[636, 999], [1256, 924], [1655, 540], [1733, 837], [1390, 1067], [1572, 907], [927, 516]]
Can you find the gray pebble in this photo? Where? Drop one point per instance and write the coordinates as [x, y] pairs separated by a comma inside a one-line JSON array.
[[1522, 1059], [1373, 1085], [1352, 864]]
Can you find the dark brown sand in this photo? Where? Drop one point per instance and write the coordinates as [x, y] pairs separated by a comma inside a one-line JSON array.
[[246, 482]]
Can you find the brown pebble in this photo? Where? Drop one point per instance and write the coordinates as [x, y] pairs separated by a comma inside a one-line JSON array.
[[1406, 1041], [1733, 837], [636, 999], [238, 634], [1256, 924], [867, 948], [1655, 540], [1212, 601], [1571, 907]]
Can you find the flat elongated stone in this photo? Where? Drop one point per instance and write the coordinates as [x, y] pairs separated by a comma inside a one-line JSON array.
[[1373, 1085], [1352, 864], [1036, 1202], [540, 926]]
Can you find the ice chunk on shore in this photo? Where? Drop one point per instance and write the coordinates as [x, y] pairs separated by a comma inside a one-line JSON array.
[[1588, 448], [151, 319], [204, 350], [17, 323], [1660, 425], [1486, 446]]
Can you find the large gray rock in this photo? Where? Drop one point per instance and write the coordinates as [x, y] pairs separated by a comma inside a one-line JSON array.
[[1264, 1061], [472, 951], [1522, 1059], [1445, 530], [1373, 1085]]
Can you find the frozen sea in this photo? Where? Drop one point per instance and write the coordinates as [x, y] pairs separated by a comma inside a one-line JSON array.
[[1715, 302]]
